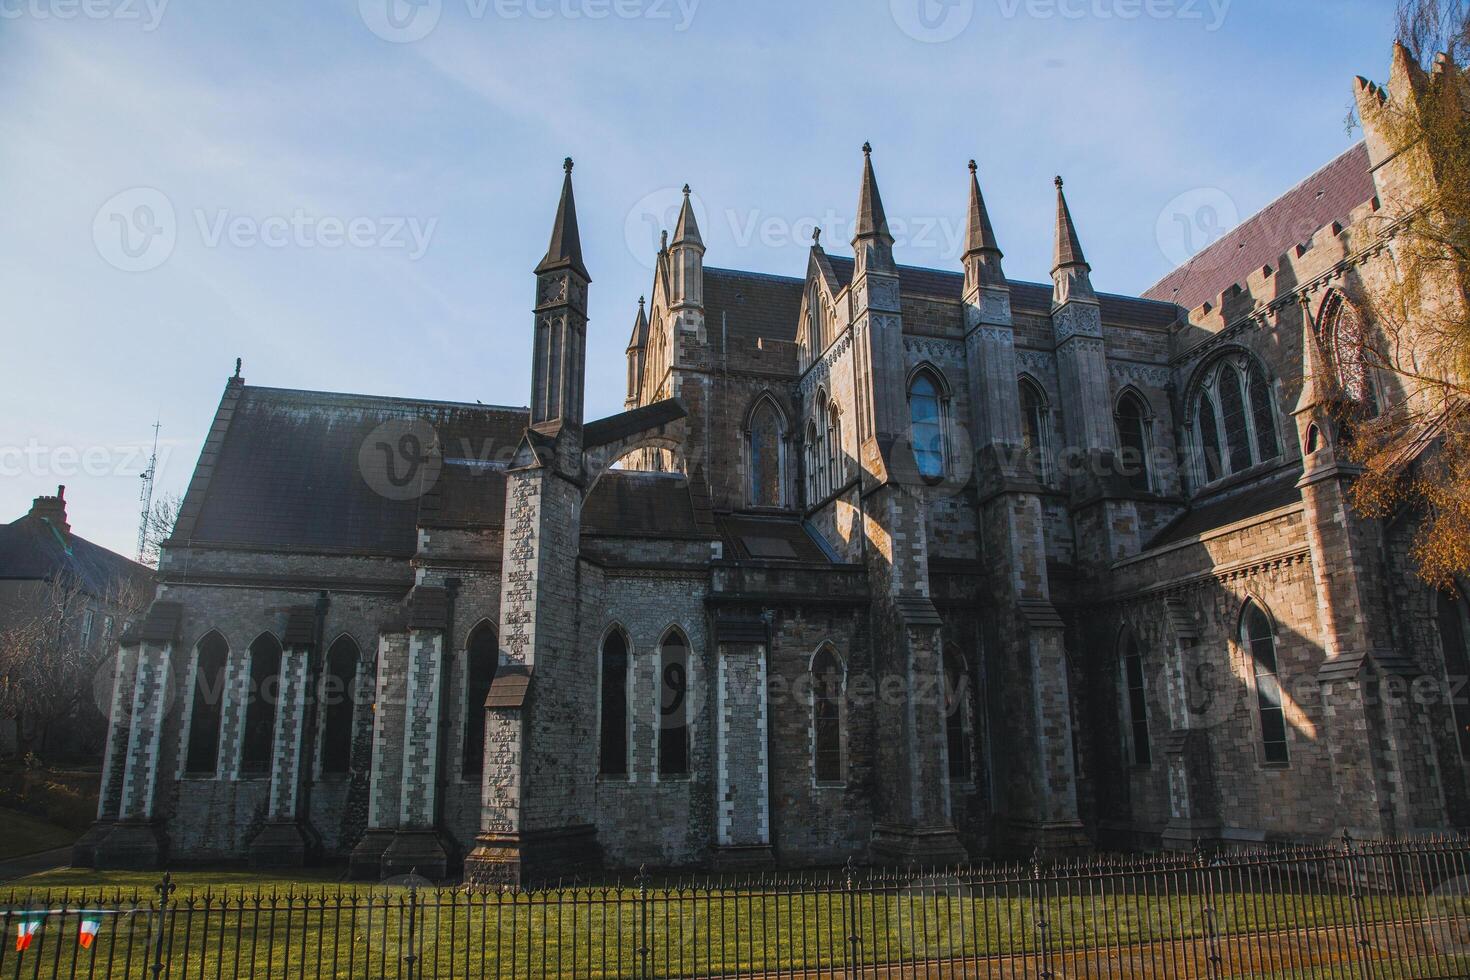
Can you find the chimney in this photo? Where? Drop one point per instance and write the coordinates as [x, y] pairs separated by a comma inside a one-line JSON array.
[[52, 509]]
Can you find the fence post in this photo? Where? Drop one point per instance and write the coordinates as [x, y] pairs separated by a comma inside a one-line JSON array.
[[1207, 895], [410, 959], [164, 888], [1355, 899], [642, 922], [850, 917], [1043, 924]]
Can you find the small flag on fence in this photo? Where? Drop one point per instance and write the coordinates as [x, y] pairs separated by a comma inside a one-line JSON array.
[[88, 933], [26, 930]]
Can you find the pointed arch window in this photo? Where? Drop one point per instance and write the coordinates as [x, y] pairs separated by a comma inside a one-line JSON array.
[[1453, 637], [1234, 418], [765, 450], [482, 658], [834, 447], [1132, 418], [613, 705], [206, 709], [1033, 428], [338, 702], [1258, 637], [813, 488], [926, 424], [1136, 700], [673, 705], [262, 699], [1344, 340], [827, 685], [822, 447], [959, 721]]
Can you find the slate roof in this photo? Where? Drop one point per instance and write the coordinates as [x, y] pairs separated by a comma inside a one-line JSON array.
[[640, 504], [1210, 513], [289, 471], [769, 539], [1328, 195], [1031, 297], [31, 549], [755, 316]]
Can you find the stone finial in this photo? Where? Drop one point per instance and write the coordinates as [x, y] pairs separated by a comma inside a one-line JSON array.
[[1059, 182], [641, 300], [237, 368], [686, 190], [973, 168], [867, 149], [566, 165], [816, 236]]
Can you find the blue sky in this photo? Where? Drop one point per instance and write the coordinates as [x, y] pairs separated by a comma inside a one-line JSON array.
[[350, 195]]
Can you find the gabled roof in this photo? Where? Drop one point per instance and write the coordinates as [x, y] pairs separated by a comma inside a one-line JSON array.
[[1328, 195], [639, 504], [32, 548], [295, 470]]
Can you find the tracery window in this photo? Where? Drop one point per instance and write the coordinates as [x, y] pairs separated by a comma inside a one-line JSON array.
[[1034, 428], [1132, 419], [765, 448], [926, 424], [1234, 420], [1344, 341]]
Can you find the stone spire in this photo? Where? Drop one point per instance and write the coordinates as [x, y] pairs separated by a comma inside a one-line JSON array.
[[982, 253], [565, 250], [871, 241], [686, 232], [639, 339], [1318, 383], [1071, 275], [560, 346]]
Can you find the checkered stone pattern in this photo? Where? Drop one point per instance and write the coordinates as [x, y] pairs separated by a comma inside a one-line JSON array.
[[421, 729], [389, 717], [743, 778], [151, 691], [286, 744], [119, 730]]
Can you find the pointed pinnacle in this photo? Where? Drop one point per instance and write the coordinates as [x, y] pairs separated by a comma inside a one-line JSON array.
[[687, 230], [871, 220], [1068, 247], [980, 235], [565, 250]]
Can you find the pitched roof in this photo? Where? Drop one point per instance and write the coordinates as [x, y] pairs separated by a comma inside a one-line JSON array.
[[754, 316], [304, 470], [770, 539], [639, 504], [1032, 297], [1328, 195], [1208, 514], [35, 549]]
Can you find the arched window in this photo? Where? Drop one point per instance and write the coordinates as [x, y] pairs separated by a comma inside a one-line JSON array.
[[482, 658], [765, 442], [338, 701], [613, 701], [959, 720], [673, 705], [827, 684], [260, 706], [813, 488], [834, 447], [822, 448], [1136, 695], [205, 713], [1132, 420], [1033, 428], [1344, 341], [926, 425], [1258, 637], [1453, 636], [1234, 429], [1267, 445]]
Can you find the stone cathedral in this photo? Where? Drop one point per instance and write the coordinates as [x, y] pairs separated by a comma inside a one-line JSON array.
[[913, 565]]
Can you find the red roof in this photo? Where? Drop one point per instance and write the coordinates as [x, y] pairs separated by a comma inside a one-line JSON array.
[[1328, 195]]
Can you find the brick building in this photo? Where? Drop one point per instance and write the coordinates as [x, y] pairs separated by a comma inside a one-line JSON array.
[[905, 563]]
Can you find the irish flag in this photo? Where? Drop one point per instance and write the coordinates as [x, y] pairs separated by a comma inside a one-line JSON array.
[[26, 930], [88, 933]]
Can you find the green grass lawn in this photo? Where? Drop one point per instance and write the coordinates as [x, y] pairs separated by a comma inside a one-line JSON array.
[[312, 926], [22, 834]]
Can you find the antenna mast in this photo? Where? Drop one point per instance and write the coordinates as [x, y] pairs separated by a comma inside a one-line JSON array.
[[145, 496]]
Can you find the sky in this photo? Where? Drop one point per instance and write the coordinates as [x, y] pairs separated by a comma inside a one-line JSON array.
[[350, 195]]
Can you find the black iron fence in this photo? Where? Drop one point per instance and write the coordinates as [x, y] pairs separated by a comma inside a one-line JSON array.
[[1361, 910]]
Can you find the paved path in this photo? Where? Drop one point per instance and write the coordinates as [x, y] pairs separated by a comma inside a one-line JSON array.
[[29, 864]]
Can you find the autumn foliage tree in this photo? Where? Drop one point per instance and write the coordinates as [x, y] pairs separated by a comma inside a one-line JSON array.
[[1414, 443]]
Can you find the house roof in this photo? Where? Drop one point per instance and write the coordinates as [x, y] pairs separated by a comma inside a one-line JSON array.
[[1328, 195], [33, 548], [640, 504]]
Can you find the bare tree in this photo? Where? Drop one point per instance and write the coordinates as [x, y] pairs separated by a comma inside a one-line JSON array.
[[159, 526], [54, 639], [1428, 27]]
